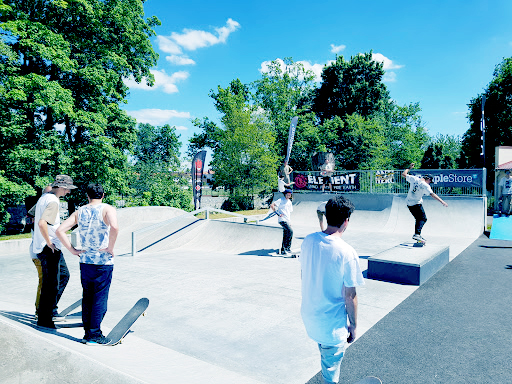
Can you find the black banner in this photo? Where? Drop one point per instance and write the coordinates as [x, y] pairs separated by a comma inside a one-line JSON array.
[[344, 182], [197, 177]]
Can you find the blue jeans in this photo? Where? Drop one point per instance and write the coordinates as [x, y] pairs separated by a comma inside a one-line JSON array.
[[96, 281], [331, 361]]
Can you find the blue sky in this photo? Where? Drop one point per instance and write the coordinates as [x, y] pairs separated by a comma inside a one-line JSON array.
[[438, 53]]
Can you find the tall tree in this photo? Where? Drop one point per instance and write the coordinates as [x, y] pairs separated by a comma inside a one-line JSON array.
[[350, 87], [498, 119], [62, 66]]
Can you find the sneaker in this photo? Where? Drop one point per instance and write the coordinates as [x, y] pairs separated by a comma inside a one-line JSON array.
[[287, 254], [101, 340], [48, 325], [417, 237], [58, 318]]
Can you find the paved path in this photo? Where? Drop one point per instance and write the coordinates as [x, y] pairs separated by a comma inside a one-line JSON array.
[[456, 328]]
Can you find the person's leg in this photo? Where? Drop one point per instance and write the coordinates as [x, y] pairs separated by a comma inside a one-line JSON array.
[[282, 224], [63, 279], [37, 263], [87, 280], [287, 236], [419, 215], [50, 268], [102, 282], [506, 204], [331, 358]]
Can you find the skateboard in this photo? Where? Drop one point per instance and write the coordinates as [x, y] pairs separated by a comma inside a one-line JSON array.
[[370, 380], [420, 243], [118, 333], [294, 253], [272, 214], [73, 306]]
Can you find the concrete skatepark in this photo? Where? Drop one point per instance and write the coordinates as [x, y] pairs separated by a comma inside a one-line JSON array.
[[222, 310]]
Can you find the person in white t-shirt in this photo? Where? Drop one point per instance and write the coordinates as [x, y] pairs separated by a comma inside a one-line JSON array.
[[47, 247], [281, 185], [505, 189], [419, 186], [284, 208], [330, 274]]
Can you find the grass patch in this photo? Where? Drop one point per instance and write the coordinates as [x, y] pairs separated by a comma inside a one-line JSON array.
[[16, 237]]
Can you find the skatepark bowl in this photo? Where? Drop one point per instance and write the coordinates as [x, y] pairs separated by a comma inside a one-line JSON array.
[[221, 308]]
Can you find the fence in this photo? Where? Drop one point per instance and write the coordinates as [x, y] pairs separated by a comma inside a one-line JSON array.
[[447, 182]]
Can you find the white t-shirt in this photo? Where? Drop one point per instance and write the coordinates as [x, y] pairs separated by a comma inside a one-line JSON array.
[[280, 185], [38, 241], [328, 263], [285, 207], [506, 186], [417, 190]]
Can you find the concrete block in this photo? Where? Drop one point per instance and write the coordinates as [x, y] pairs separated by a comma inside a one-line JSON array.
[[501, 228], [408, 263]]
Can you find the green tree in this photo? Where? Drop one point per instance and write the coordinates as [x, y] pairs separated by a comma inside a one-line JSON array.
[[498, 119], [442, 153], [350, 87], [243, 159], [62, 65]]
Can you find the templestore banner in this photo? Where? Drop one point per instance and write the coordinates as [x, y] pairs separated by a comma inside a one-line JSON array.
[[453, 177], [345, 182]]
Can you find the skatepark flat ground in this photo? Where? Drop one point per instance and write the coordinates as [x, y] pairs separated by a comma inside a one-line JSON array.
[[221, 309]]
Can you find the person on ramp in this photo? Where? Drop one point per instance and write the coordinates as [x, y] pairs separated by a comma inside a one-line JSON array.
[[98, 229], [284, 208], [419, 186], [330, 274]]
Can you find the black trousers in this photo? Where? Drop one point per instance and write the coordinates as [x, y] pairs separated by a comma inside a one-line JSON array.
[[287, 236], [419, 214], [50, 266]]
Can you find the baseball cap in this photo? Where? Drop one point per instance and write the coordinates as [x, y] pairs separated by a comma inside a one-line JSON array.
[[63, 181], [428, 176], [288, 191]]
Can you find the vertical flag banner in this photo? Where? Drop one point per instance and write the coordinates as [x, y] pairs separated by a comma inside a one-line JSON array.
[[197, 177], [291, 135]]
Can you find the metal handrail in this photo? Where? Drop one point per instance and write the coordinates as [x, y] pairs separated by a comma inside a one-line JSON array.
[[207, 217]]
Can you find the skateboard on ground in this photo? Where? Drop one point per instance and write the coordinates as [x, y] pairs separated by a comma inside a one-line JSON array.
[[370, 380], [72, 307], [122, 328], [420, 243], [294, 253]]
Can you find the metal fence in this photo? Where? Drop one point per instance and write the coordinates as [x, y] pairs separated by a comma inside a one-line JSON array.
[[449, 182]]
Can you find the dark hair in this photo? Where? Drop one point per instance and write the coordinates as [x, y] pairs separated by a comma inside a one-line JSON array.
[[337, 210], [94, 191], [428, 176]]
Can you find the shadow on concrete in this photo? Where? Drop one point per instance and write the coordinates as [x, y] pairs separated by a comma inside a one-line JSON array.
[[28, 320]]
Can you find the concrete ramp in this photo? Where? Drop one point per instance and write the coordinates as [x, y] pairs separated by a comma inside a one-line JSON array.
[[464, 216]]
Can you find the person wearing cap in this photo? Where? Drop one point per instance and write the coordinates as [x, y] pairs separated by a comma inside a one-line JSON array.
[[505, 188], [419, 186], [47, 247], [284, 208]]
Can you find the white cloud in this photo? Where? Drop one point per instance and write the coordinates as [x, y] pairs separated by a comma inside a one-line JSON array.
[[389, 77], [168, 46], [158, 117], [180, 60], [162, 81], [388, 64], [337, 48], [191, 39], [180, 128]]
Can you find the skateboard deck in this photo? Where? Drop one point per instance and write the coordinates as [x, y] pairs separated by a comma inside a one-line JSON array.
[[64, 313], [370, 380], [122, 328], [294, 253]]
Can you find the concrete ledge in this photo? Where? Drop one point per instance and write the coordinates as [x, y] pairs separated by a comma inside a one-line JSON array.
[[14, 247], [408, 264]]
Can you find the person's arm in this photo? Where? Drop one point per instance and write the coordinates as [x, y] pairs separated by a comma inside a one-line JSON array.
[[69, 223], [49, 216], [43, 227], [438, 199], [406, 171], [111, 220], [351, 306]]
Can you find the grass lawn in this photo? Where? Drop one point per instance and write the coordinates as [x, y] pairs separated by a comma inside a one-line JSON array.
[[16, 237]]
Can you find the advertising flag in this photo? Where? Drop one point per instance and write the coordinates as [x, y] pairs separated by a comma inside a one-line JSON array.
[[197, 177], [291, 135]]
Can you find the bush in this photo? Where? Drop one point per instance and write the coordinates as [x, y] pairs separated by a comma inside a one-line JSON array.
[[238, 203]]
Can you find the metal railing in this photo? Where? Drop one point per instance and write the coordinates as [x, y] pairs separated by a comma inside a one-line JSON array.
[[373, 181], [207, 211]]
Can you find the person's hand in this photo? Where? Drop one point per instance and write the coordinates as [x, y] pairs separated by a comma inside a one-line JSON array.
[[76, 252], [107, 250], [52, 247], [411, 166], [445, 203], [351, 333]]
